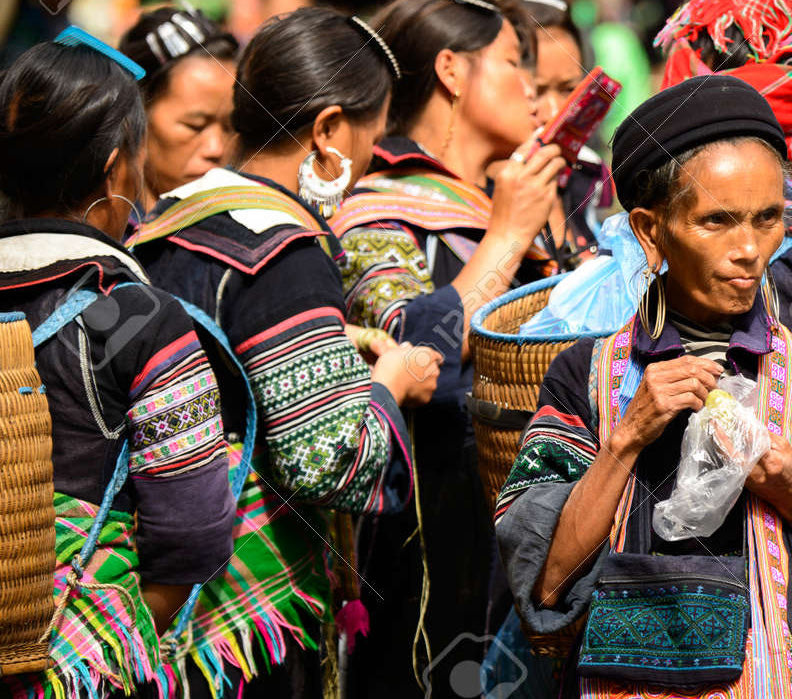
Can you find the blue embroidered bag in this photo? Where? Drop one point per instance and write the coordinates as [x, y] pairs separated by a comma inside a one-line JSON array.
[[672, 621]]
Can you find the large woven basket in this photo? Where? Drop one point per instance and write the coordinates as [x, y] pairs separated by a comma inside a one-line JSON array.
[[27, 515], [508, 372]]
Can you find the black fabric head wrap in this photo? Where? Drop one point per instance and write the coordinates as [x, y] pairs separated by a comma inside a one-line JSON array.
[[695, 112]]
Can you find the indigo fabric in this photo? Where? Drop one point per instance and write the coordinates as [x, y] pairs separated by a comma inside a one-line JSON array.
[[674, 621]]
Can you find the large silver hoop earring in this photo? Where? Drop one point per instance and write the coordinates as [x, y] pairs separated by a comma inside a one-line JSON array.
[[116, 196], [770, 295], [325, 195], [644, 305], [90, 208], [131, 204]]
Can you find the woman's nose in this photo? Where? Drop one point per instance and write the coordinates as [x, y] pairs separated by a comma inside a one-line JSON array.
[[549, 105], [214, 143], [746, 245]]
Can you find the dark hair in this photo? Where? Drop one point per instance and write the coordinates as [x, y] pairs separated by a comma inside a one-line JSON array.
[[215, 44], [543, 16], [299, 64], [664, 189], [63, 110], [416, 31], [737, 54]]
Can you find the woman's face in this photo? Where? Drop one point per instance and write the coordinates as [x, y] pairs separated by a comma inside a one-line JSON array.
[[719, 245], [497, 101], [189, 126], [558, 71]]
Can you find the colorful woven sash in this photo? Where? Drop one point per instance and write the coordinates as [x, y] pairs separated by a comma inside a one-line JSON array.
[[767, 672], [210, 202], [427, 200], [96, 648]]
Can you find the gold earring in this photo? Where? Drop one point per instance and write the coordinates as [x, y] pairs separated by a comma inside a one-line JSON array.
[[644, 305], [450, 133]]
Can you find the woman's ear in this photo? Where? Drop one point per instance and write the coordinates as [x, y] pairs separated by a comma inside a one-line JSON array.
[[645, 225], [326, 129], [451, 69]]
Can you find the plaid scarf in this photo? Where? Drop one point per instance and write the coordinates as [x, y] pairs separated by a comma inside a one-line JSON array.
[[95, 647], [276, 573]]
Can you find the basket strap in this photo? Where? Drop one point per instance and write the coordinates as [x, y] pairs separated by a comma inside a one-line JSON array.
[[64, 314], [496, 416]]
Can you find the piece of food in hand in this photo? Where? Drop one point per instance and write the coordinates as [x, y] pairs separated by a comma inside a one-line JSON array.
[[722, 405]]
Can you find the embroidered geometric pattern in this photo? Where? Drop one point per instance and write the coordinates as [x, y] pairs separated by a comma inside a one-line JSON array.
[[326, 443], [672, 625], [384, 269], [174, 421], [557, 448]]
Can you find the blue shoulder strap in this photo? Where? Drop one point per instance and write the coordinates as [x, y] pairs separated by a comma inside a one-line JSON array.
[[64, 314]]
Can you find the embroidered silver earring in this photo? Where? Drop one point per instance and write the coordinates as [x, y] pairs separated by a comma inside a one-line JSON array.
[[325, 195]]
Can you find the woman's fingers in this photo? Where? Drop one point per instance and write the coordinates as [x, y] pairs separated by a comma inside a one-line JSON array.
[[543, 158]]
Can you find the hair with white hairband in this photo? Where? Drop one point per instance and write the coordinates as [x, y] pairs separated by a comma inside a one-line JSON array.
[[559, 5], [383, 46], [481, 4]]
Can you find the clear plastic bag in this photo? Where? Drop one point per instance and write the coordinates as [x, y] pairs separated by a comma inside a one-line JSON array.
[[722, 443]]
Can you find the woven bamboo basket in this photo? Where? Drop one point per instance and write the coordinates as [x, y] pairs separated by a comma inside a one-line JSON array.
[[27, 515], [508, 372]]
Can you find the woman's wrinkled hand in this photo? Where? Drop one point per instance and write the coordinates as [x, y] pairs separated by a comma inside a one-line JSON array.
[[524, 193], [666, 389], [771, 478]]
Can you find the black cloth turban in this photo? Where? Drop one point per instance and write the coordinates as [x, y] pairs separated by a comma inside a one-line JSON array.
[[693, 113]]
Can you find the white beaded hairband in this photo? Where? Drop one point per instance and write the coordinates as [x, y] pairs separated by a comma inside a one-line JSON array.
[[559, 5], [386, 50], [480, 4]]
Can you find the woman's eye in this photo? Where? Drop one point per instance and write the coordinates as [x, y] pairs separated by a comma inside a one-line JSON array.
[[194, 127], [769, 217], [715, 220]]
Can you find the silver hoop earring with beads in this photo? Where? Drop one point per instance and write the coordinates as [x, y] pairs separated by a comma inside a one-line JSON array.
[[325, 195]]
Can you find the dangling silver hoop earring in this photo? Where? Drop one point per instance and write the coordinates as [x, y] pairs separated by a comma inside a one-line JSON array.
[[644, 305], [770, 295], [90, 208], [117, 196], [325, 195]]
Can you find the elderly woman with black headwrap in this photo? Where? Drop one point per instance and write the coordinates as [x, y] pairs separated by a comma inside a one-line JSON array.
[[700, 169]]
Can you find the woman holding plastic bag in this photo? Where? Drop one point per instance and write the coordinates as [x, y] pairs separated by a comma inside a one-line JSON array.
[[701, 616]]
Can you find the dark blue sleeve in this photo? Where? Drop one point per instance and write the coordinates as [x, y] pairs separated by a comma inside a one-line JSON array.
[[438, 321]]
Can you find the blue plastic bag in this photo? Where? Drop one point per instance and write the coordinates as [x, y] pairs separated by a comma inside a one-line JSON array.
[[602, 294]]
